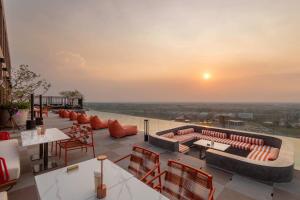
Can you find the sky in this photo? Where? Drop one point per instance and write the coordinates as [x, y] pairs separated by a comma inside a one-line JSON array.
[[161, 50]]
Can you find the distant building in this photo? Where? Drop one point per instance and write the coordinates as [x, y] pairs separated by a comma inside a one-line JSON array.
[[236, 123], [245, 115], [268, 123], [203, 115], [228, 115]]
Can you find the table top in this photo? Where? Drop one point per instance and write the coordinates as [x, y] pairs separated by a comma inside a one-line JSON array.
[[217, 145], [31, 137], [79, 184]]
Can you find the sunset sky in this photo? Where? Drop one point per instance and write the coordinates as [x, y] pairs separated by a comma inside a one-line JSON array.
[[161, 50]]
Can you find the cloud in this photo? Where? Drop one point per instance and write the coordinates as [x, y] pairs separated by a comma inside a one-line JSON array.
[[71, 59]]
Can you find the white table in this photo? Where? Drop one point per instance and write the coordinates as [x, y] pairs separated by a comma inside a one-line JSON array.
[[79, 184], [207, 144], [31, 137]]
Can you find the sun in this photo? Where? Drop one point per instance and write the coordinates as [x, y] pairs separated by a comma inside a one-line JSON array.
[[206, 76]]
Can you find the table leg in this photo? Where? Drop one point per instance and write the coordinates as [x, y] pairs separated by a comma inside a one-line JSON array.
[[46, 165], [202, 151], [45, 156]]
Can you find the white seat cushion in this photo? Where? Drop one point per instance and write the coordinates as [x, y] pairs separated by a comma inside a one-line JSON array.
[[10, 152], [3, 195]]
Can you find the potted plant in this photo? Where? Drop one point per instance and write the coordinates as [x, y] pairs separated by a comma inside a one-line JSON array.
[[24, 82], [21, 115], [4, 114]]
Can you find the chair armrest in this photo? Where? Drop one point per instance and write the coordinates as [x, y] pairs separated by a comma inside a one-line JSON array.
[[154, 178], [65, 128], [122, 158], [211, 195], [3, 171]]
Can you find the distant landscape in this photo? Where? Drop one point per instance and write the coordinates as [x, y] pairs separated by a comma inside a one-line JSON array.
[[273, 118]]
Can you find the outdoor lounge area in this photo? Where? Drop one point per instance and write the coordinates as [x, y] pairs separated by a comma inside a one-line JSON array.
[[259, 156], [225, 184]]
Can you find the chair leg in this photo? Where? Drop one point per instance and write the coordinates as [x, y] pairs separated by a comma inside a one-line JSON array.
[[59, 152], [56, 144], [85, 149], [94, 152], [52, 146], [66, 159]]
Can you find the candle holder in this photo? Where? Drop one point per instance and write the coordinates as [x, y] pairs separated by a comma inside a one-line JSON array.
[[101, 190]]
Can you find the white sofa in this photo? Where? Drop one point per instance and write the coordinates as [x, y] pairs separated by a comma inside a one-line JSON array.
[[3, 195], [9, 150]]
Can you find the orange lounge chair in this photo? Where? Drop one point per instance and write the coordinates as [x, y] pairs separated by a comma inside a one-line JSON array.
[[65, 114], [185, 182], [83, 119], [97, 123], [60, 113], [116, 130], [73, 116]]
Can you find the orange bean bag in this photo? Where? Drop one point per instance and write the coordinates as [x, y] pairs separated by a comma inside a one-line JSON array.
[[116, 130], [65, 114], [97, 123], [60, 112], [83, 119], [73, 116]]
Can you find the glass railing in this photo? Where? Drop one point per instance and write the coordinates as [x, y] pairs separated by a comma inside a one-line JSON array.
[[156, 125]]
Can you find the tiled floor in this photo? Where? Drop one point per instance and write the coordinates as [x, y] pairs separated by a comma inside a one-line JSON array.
[[229, 186]]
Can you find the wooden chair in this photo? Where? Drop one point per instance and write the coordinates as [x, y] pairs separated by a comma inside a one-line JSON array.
[[80, 140], [185, 182], [144, 164]]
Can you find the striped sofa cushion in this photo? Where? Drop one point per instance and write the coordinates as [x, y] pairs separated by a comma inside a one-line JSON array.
[[185, 183], [168, 135], [185, 131], [235, 144], [263, 153], [214, 133], [184, 138], [259, 155], [183, 148], [274, 153], [141, 162], [255, 147], [246, 139]]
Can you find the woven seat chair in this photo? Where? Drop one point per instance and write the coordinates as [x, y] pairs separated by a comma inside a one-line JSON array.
[[80, 140], [184, 182], [71, 131], [144, 164]]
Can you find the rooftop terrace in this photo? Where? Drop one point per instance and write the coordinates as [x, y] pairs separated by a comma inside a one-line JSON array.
[[228, 185]]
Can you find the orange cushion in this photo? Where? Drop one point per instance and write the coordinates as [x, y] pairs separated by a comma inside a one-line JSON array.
[[83, 119], [117, 130], [273, 154], [65, 114], [73, 116], [96, 123]]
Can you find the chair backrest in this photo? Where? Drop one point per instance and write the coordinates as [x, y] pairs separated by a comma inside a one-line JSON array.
[[4, 135], [185, 182], [87, 134], [143, 161], [4, 175]]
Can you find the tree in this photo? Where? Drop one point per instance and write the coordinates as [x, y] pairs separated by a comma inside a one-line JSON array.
[[26, 82], [72, 95]]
